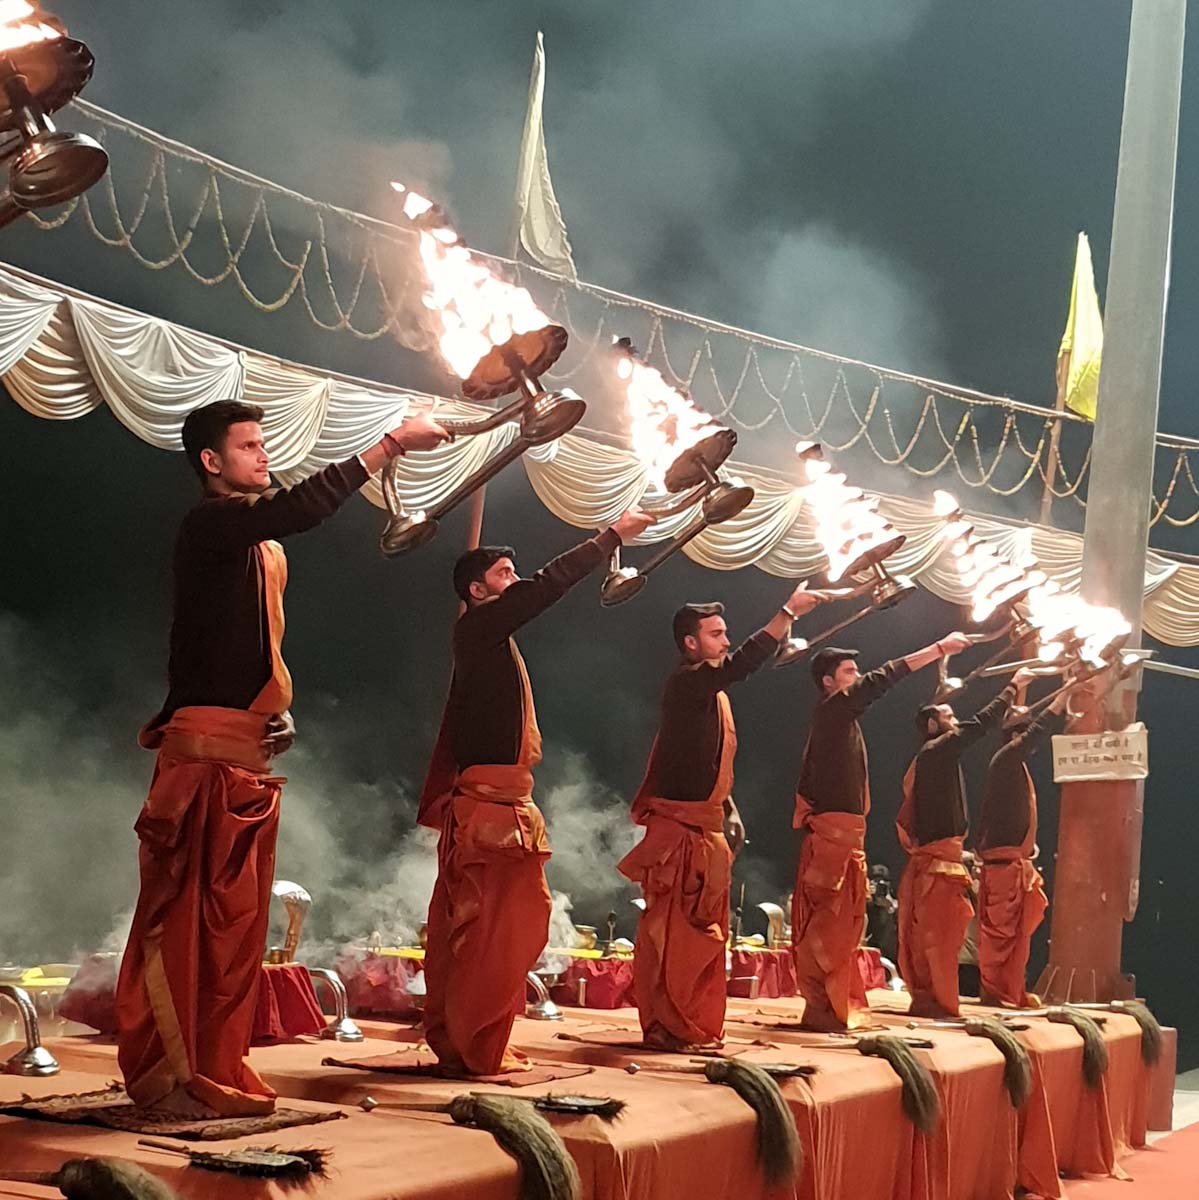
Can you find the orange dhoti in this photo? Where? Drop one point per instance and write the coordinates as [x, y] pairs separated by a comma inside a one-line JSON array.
[[934, 912], [1011, 904], [828, 918], [488, 919], [684, 867], [189, 979]]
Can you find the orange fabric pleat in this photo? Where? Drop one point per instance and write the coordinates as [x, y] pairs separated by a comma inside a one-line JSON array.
[[828, 918], [934, 912], [275, 696], [189, 978], [684, 867], [490, 911], [1011, 904]]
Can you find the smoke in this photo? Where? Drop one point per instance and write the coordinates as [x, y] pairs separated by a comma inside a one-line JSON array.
[[589, 832], [74, 781], [696, 207], [824, 290], [67, 804]]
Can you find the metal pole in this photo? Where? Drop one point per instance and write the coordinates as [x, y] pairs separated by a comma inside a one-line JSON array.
[[1097, 875]]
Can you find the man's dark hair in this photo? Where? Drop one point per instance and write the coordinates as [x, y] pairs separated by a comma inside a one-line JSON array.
[[924, 714], [826, 661], [474, 564], [687, 619], [205, 429]]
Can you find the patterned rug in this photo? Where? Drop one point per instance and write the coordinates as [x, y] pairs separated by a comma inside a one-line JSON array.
[[412, 1062], [112, 1109]]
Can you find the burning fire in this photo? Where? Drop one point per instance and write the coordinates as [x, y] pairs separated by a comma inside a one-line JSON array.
[[1061, 621], [16, 30], [663, 421], [847, 525], [478, 310]]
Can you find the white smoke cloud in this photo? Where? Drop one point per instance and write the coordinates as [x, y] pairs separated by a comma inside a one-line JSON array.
[[69, 794], [74, 782], [824, 290], [661, 121], [589, 832]]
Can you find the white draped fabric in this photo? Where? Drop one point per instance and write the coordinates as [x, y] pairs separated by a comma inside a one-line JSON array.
[[63, 354], [151, 373]]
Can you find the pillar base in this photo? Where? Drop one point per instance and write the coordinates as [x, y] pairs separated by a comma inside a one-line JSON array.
[[1083, 985]]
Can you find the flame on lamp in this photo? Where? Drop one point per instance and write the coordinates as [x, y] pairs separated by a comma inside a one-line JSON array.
[[663, 422], [846, 523], [1059, 619], [16, 30], [478, 311]]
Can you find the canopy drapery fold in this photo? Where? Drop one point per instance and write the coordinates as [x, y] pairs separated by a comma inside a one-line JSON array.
[[63, 354]]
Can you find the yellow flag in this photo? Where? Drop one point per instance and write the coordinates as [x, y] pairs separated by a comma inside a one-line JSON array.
[[1082, 343]]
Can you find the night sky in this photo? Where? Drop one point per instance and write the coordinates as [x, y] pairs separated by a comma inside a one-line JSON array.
[[897, 180]]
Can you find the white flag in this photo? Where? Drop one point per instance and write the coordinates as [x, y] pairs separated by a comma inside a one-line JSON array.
[[541, 229]]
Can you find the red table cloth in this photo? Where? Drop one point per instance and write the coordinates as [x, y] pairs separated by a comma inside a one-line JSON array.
[[287, 1005]]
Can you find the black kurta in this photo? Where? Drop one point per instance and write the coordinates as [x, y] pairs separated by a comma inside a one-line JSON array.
[[220, 637], [690, 734], [485, 712], [939, 798], [834, 776]]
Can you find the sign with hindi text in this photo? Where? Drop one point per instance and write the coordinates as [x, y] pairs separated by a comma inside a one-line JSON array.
[[1083, 757]]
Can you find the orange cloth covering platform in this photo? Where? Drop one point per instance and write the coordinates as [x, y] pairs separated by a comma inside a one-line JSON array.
[[680, 1136]]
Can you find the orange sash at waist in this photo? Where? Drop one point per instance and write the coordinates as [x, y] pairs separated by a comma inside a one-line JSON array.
[[210, 734], [846, 829], [942, 857], [1004, 854], [706, 816], [491, 812], [834, 841], [496, 783]]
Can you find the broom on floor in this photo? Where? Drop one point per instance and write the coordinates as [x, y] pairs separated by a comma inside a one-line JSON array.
[[920, 1099], [569, 1104], [98, 1179], [774, 1070], [263, 1162], [1151, 1031], [1094, 1048], [546, 1169], [1017, 1066], [779, 1150]]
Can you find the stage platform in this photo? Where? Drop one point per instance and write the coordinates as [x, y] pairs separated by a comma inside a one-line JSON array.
[[680, 1136]]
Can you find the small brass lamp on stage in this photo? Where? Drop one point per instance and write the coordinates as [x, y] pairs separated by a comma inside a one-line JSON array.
[[41, 70], [682, 443], [498, 342]]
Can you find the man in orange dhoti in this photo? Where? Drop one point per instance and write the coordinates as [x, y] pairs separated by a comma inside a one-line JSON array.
[[489, 915], [934, 895], [189, 978], [692, 828], [1011, 896], [828, 913]]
